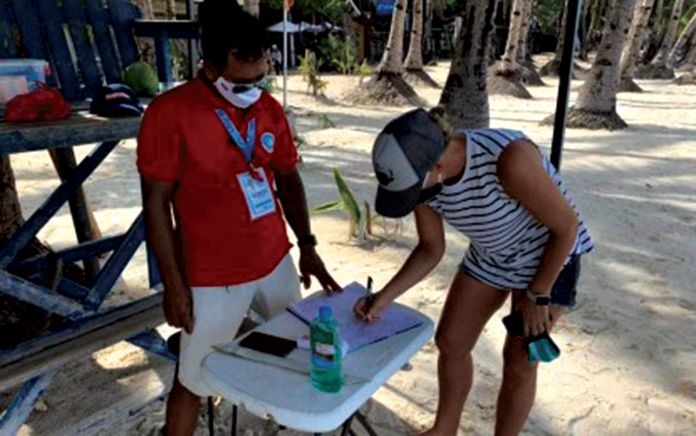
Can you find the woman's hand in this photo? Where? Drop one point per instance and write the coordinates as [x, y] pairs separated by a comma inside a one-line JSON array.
[[369, 308], [535, 319]]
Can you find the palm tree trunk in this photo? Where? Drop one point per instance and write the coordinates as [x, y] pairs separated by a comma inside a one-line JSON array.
[[682, 42], [586, 21], [146, 8], [509, 62], [634, 42], [596, 103], [253, 7], [414, 58], [671, 35], [506, 75], [387, 85], [528, 72], [465, 96], [171, 9], [658, 68], [415, 74], [392, 60], [522, 50], [10, 209], [551, 68]]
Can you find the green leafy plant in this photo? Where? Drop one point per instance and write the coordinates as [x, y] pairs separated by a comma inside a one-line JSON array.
[[360, 220], [363, 70], [309, 68], [345, 62], [325, 122]]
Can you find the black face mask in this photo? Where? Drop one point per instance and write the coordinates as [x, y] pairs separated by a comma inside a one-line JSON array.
[[428, 193]]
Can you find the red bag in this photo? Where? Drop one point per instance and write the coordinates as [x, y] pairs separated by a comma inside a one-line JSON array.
[[44, 104]]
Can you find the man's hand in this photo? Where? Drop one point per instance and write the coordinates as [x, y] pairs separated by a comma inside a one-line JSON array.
[[178, 308], [535, 318], [370, 308], [312, 265]]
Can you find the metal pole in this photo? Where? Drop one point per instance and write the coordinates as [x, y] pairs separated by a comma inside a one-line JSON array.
[[192, 52], [566, 77], [285, 58]]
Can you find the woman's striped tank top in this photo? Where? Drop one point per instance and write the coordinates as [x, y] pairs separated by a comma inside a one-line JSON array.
[[506, 241]]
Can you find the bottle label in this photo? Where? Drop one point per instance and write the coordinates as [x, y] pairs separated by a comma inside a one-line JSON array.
[[326, 351]]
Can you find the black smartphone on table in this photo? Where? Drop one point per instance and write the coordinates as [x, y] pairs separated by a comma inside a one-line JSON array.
[[269, 344]]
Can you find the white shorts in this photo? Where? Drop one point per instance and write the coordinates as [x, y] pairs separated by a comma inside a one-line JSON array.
[[218, 313]]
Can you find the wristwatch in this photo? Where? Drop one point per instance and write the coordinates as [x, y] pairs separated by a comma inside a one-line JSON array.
[[539, 300], [307, 241]]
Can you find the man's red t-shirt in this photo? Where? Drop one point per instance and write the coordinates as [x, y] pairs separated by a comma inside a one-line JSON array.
[[183, 141]]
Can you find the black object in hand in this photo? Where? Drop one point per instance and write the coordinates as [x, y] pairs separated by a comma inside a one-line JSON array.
[[514, 324]]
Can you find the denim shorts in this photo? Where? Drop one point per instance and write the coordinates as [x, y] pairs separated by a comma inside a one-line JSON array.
[[564, 289]]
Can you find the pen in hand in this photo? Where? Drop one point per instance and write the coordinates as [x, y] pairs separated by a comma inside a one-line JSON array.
[[368, 297]]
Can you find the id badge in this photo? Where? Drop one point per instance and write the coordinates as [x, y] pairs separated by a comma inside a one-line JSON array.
[[258, 194]]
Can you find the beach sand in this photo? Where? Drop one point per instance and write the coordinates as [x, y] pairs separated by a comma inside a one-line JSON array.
[[628, 364]]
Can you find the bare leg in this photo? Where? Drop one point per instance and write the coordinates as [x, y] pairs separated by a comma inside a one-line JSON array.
[[182, 411], [470, 304], [518, 388]]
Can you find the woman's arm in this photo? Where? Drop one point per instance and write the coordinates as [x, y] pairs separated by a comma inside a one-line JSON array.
[[524, 178], [422, 260]]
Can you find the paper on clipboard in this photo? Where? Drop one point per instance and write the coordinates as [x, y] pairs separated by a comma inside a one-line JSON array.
[[354, 332]]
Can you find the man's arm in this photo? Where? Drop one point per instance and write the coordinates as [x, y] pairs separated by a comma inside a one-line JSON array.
[[292, 197], [160, 235]]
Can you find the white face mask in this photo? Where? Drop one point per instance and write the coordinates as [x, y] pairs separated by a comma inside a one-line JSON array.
[[241, 96]]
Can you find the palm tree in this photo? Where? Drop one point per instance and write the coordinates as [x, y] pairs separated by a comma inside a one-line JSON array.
[[146, 7], [171, 9], [658, 68], [392, 59], [505, 76], [465, 96], [595, 107], [689, 78], [553, 66], [387, 85], [414, 59], [679, 48], [635, 41], [10, 210], [528, 73]]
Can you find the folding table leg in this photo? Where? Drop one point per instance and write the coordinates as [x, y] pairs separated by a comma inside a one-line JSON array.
[[366, 425], [211, 416], [234, 420], [345, 429]]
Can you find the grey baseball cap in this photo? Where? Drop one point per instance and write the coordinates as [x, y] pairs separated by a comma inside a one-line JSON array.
[[404, 152]]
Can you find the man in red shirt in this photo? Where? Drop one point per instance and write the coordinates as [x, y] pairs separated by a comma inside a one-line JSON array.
[[212, 150]]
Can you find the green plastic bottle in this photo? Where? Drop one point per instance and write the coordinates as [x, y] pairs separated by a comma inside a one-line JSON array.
[[326, 374]]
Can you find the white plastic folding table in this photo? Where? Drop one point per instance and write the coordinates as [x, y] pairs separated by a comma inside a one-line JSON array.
[[280, 389]]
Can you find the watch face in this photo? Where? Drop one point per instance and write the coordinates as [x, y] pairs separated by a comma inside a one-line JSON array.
[[543, 301]]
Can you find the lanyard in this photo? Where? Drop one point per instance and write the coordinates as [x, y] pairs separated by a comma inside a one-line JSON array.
[[247, 147]]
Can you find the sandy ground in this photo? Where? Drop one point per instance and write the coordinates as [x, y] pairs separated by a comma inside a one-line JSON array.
[[629, 348]]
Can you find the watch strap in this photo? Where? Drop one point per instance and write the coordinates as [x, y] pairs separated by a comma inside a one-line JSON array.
[[539, 300], [307, 241]]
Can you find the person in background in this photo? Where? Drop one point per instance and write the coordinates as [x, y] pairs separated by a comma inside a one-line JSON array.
[[217, 152], [526, 239], [277, 58]]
